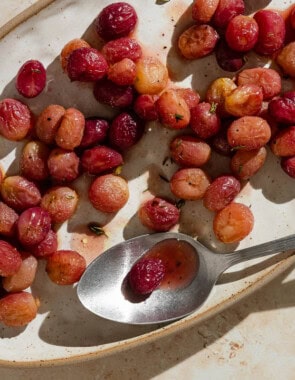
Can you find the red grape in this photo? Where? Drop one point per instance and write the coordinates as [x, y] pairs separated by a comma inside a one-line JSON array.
[[282, 109], [145, 107], [125, 47], [95, 132], [8, 219], [31, 79], [204, 120], [10, 259], [226, 10], [47, 246], [63, 165], [33, 161], [189, 151], [99, 159], [242, 33], [112, 94], [125, 131], [288, 165]]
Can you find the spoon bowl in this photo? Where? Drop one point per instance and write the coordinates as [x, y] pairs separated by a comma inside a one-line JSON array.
[[103, 290]]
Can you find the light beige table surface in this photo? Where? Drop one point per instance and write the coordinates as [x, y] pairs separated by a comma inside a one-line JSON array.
[[254, 339]]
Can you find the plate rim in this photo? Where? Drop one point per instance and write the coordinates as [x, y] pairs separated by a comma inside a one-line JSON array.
[[187, 322]]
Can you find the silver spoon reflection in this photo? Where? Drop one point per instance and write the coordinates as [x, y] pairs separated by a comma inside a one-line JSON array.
[[104, 291]]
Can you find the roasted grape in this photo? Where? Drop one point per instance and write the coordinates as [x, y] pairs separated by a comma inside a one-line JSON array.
[[69, 47], [70, 132], [31, 79], [47, 246], [112, 94], [204, 121], [189, 151], [63, 165], [158, 214], [288, 165], [145, 107], [233, 223], [65, 267], [282, 109], [95, 132], [123, 72], [242, 33], [227, 58], [108, 193], [173, 110], [10, 259], [125, 131], [99, 159], [203, 10], [48, 123], [244, 164], [189, 183], [286, 59], [8, 219], [283, 143], [245, 100], [33, 161], [191, 97], [151, 76], [227, 10], [125, 47], [218, 90]]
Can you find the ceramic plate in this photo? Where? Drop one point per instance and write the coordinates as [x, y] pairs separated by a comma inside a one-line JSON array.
[[64, 330]]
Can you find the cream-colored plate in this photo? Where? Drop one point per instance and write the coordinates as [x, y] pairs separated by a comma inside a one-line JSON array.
[[63, 330]]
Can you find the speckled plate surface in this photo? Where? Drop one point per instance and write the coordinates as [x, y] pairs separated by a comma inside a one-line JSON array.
[[63, 330]]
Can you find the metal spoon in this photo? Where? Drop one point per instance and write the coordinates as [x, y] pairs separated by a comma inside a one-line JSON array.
[[101, 287]]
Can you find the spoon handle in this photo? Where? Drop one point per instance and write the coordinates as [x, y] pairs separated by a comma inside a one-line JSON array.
[[265, 249]]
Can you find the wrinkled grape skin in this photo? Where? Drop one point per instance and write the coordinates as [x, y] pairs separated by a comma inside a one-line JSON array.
[[70, 132], [245, 164], [286, 59], [100, 159], [245, 100], [189, 151], [282, 109], [8, 219], [220, 144], [31, 79], [115, 20], [189, 183], [248, 133], [191, 97], [268, 79], [48, 123], [24, 277], [86, 64], [145, 107], [18, 309], [197, 41], [241, 33], [228, 59], [233, 223], [272, 31], [204, 121], [173, 110], [125, 131], [63, 165], [47, 246], [10, 259], [108, 193], [221, 192], [19, 193], [69, 47], [60, 202], [203, 10], [95, 132], [218, 90], [283, 143], [226, 10], [123, 72], [16, 119], [151, 76], [33, 161], [32, 226], [110, 93], [288, 165], [158, 214], [125, 47], [65, 267]]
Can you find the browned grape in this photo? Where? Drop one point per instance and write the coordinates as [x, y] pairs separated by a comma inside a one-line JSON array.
[[248, 133], [244, 164], [158, 214], [108, 193], [151, 76], [173, 110], [48, 123], [191, 97], [60, 202], [99, 159], [33, 161], [63, 165], [189, 183], [217, 91], [189, 151], [123, 72], [10, 259], [203, 10], [19, 193], [70, 132], [8, 219], [286, 59], [65, 267], [283, 143], [245, 100], [233, 223], [18, 309], [24, 277]]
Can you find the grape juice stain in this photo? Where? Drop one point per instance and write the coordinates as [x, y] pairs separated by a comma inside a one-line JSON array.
[[181, 262]]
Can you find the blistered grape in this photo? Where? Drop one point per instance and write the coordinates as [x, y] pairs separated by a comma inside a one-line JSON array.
[[191, 97], [69, 47], [63, 165], [151, 76], [173, 110], [245, 100], [33, 161], [203, 10], [226, 10], [19, 193], [10, 259], [60, 202], [282, 109], [197, 41], [95, 131], [48, 123], [24, 277], [288, 165], [99, 159], [86, 64], [125, 47], [112, 94], [70, 132], [283, 143], [244, 164], [116, 20], [145, 107], [189, 151], [286, 59], [108, 193], [158, 214], [233, 223], [47, 246], [8, 219], [123, 72], [189, 183], [217, 91], [242, 33], [126, 130], [33, 225], [204, 121], [221, 192], [18, 309], [248, 133], [31, 79], [16, 120]]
